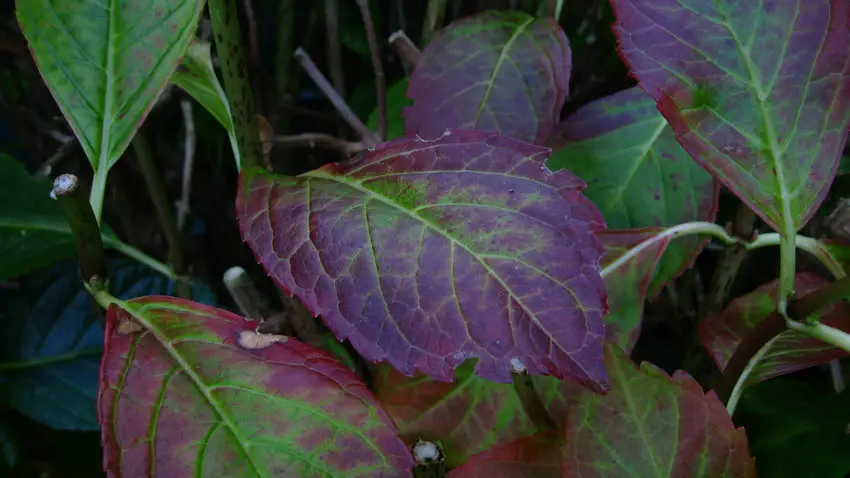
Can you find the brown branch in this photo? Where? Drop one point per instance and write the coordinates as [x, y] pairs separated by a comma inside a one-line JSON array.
[[406, 50], [743, 227], [524, 388], [313, 140], [366, 135], [257, 74], [188, 162], [377, 67]]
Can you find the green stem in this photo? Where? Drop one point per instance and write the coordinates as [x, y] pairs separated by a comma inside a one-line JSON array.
[[158, 196], [133, 253], [832, 336], [224, 17], [98, 191], [84, 226], [434, 14], [787, 270]]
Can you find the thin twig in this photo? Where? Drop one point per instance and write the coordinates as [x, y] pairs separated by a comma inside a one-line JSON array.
[[406, 50], [366, 135], [377, 67], [433, 18], [60, 153], [283, 61], [156, 189], [75, 204], [312, 140], [334, 51], [188, 161], [524, 388]]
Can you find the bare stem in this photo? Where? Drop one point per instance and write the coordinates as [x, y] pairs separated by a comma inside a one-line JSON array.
[[188, 161], [730, 261], [312, 140], [433, 18], [380, 81], [84, 227], [344, 110], [406, 50], [158, 196], [334, 51], [237, 87], [524, 388]]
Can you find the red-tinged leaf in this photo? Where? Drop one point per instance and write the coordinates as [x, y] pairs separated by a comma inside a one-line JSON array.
[[652, 425], [757, 92], [834, 254], [537, 456], [638, 175], [499, 71], [467, 416], [790, 351], [195, 394], [429, 253], [628, 264]]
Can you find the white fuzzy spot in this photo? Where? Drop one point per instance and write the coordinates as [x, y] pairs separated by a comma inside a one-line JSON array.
[[517, 366], [426, 452], [64, 184], [447, 132], [253, 340]]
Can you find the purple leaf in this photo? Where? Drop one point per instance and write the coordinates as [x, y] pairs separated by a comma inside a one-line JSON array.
[[790, 351], [428, 253], [757, 92], [496, 71]]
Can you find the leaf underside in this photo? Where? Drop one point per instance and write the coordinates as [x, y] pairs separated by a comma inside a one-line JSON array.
[[637, 174], [496, 71], [196, 76], [757, 92], [789, 352], [184, 397], [467, 416], [106, 62], [652, 425], [428, 253]]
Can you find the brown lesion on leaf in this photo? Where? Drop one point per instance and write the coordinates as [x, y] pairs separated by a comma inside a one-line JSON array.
[[254, 340], [128, 326]]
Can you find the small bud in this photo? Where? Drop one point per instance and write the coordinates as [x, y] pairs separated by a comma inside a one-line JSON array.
[[63, 185]]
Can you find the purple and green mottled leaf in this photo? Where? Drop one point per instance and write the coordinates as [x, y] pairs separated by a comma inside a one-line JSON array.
[[538, 455], [497, 71], [637, 174], [652, 425], [628, 264], [757, 92], [184, 396], [790, 351], [468, 416], [106, 62], [426, 253]]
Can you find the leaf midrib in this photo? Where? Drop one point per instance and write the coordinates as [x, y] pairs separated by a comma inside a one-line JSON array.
[[502, 56], [103, 156], [137, 311], [369, 193]]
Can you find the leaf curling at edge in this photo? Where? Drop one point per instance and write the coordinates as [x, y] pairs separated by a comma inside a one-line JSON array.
[[183, 393], [486, 254]]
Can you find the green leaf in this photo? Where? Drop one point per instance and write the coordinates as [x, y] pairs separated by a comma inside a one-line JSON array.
[[33, 231], [51, 339], [468, 415], [196, 76], [796, 431], [397, 100], [106, 62], [652, 425], [637, 173]]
